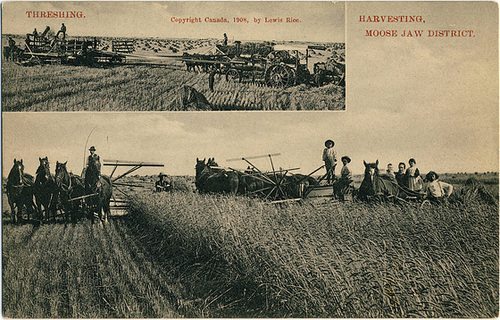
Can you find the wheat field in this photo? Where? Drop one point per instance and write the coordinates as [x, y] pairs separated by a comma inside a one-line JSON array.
[[183, 254]]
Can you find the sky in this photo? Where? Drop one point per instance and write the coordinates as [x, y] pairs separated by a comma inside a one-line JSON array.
[[319, 22], [177, 139], [432, 99]]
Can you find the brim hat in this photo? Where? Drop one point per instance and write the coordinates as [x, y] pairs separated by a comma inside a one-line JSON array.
[[162, 174], [329, 141], [427, 177], [92, 148], [346, 158]]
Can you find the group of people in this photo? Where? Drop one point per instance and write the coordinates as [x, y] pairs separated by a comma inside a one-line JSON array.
[[341, 185], [408, 178], [62, 30]]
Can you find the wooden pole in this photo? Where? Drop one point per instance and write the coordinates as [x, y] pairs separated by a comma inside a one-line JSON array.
[[255, 157]]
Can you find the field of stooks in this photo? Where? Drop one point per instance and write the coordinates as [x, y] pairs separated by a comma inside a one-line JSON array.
[[182, 254]]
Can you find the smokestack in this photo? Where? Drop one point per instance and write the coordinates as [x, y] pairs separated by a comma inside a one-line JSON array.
[[47, 28], [238, 48]]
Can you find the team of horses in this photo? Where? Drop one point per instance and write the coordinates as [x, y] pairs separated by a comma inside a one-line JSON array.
[[43, 196], [210, 178]]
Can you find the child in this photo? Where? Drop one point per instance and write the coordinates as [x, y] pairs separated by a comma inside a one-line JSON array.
[[413, 179], [341, 187], [390, 172], [330, 159]]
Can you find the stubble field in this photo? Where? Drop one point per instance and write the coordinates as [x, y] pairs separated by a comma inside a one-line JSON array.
[[146, 88]]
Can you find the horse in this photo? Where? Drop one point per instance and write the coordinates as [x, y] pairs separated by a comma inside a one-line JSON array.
[[191, 64], [215, 180], [189, 98], [69, 186], [376, 186], [19, 188], [101, 185], [276, 185], [297, 184], [252, 183], [45, 190]]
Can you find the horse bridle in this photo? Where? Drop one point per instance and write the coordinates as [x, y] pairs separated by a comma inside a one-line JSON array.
[[63, 186]]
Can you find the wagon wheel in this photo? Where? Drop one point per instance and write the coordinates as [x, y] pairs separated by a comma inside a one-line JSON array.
[[233, 75], [280, 76], [275, 186], [337, 71], [278, 192]]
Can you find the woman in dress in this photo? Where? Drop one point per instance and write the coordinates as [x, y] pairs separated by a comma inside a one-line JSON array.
[[413, 179]]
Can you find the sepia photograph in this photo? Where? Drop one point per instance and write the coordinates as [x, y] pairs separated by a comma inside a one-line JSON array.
[[119, 201], [173, 56]]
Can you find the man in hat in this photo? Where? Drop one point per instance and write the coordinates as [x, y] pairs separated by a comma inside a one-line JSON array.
[[436, 190], [341, 186], [163, 184], [95, 158], [330, 159]]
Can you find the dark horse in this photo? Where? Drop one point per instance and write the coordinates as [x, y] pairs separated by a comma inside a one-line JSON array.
[[98, 184], [211, 178], [69, 186], [19, 190], [217, 180], [45, 190], [278, 186], [375, 186]]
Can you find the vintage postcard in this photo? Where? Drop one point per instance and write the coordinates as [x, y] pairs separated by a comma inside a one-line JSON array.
[[164, 56], [386, 209]]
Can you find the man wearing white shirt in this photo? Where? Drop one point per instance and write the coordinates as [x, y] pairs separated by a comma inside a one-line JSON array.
[[435, 189]]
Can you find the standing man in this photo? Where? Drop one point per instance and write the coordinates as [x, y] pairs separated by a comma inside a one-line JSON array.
[[63, 31], [225, 40], [330, 159], [211, 79], [12, 51]]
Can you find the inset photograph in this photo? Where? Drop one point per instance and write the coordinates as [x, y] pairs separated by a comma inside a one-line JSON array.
[[173, 56]]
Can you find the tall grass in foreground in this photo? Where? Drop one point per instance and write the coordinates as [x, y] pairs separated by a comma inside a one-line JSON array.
[[243, 257]]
